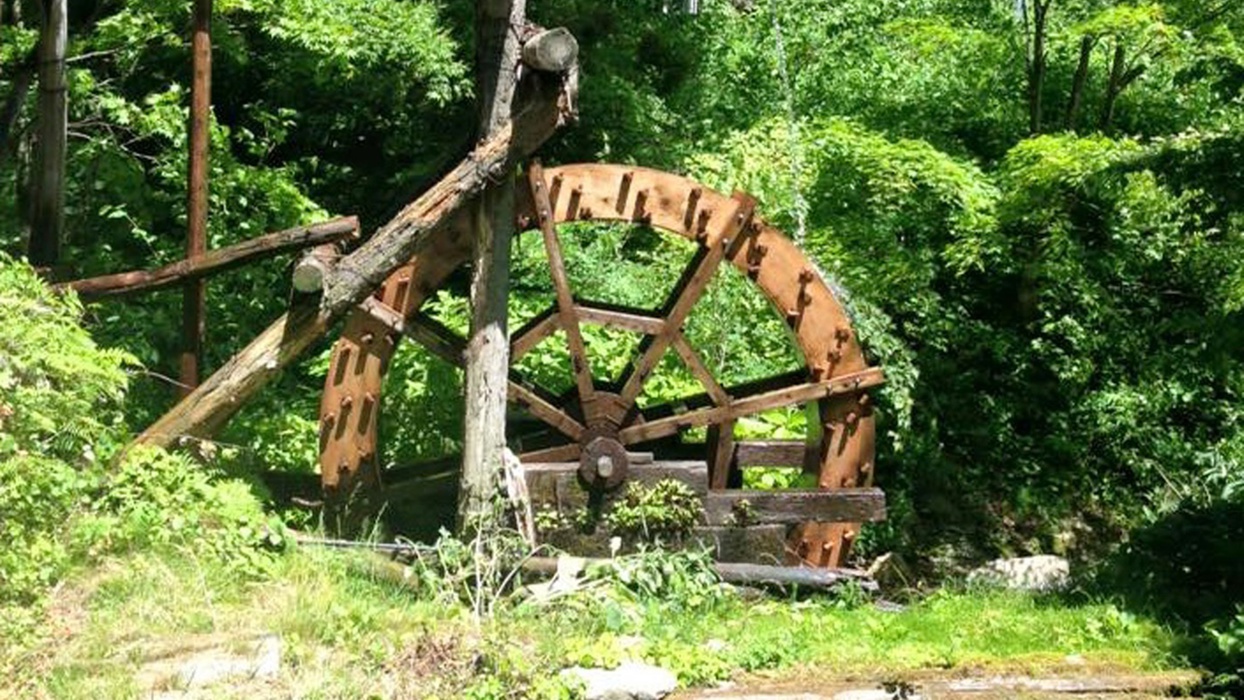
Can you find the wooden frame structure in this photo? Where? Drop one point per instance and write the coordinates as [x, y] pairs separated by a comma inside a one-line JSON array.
[[726, 229]]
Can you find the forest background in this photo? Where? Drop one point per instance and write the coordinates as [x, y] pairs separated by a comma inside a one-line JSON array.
[[1042, 241]]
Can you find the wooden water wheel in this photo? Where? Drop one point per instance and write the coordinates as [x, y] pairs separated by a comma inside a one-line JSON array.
[[598, 437]]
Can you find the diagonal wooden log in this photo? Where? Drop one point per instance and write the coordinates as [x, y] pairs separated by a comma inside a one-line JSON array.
[[543, 108], [214, 261]]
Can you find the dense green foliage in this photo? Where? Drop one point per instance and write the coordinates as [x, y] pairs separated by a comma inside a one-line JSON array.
[[64, 500], [1060, 309]]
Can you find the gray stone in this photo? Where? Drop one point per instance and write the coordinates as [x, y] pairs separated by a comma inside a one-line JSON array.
[[217, 665], [629, 681], [1041, 573]]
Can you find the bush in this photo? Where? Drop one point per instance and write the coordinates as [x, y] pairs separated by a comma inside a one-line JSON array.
[[60, 394], [61, 400]]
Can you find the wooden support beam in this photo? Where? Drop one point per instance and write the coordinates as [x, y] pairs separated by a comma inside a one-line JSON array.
[[194, 299], [750, 405], [214, 261], [721, 462], [540, 109], [794, 506], [634, 320]]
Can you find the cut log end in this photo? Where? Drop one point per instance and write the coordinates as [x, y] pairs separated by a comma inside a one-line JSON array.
[[314, 267], [553, 50]]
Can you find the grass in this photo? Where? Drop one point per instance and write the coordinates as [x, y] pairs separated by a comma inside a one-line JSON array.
[[348, 632]]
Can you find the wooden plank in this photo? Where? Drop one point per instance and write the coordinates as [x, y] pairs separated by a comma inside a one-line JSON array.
[[602, 315], [795, 506], [750, 405], [214, 261], [557, 484], [776, 453]]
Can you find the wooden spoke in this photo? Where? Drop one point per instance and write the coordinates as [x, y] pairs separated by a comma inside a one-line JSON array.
[[750, 405], [567, 316], [540, 407], [692, 360], [438, 339], [449, 346], [686, 293], [525, 339], [622, 318], [560, 453]]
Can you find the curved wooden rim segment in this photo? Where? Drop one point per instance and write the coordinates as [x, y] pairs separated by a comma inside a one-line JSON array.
[[726, 229]]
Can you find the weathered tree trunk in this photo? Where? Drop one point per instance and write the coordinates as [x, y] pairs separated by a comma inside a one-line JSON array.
[[21, 79], [194, 301], [1112, 86], [497, 24], [1078, 81], [214, 261], [48, 200], [543, 109], [1120, 78], [1037, 64]]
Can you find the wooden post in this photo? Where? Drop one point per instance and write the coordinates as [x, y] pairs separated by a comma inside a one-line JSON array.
[[48, 201], [194, 299], [488, 351]]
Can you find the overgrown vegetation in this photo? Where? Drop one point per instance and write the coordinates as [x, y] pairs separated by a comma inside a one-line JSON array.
[[1046, 262]]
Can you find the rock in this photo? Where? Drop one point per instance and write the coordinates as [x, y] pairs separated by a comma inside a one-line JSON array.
[[216, 665], [629, 681], [1041, 573], [890, 572]]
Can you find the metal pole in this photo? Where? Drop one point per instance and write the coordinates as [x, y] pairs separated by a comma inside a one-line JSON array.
[[196, 206]]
